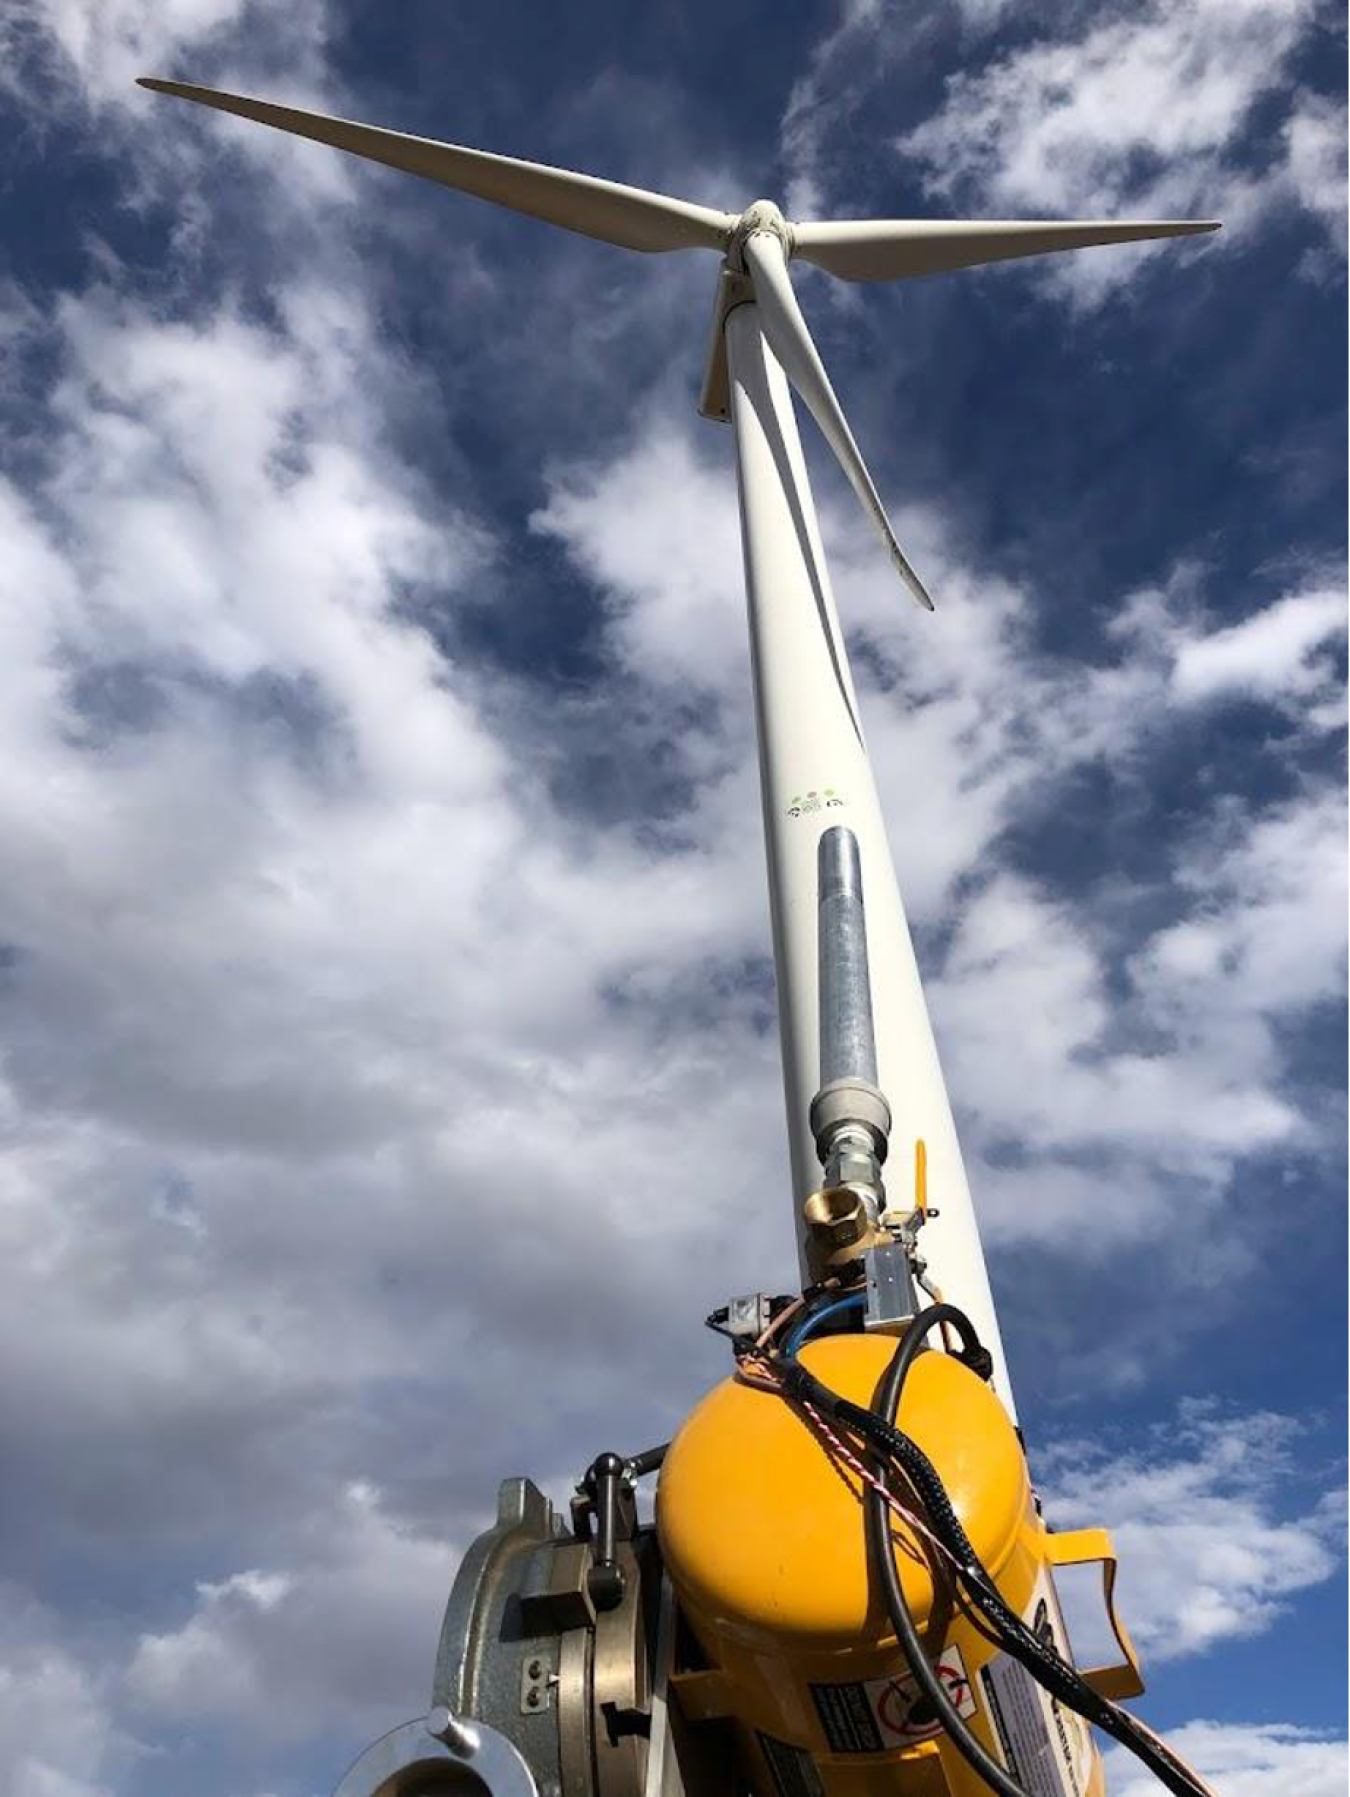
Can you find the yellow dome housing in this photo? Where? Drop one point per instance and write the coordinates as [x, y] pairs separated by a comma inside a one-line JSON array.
[[761, 1532]]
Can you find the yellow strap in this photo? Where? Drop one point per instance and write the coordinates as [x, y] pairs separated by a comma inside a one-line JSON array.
[[1083, 1547]]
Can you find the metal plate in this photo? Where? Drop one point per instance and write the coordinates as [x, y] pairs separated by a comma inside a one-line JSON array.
[[621, 1704], [411, 1762]]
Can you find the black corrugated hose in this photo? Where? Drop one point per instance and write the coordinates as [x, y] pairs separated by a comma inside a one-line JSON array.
[[889, 1444]]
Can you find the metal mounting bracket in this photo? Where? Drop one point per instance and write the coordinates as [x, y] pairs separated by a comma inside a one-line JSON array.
[[733, 290]]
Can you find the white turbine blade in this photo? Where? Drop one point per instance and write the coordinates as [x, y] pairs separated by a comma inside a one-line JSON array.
[[790, 341], [627, 216], [889, 249]]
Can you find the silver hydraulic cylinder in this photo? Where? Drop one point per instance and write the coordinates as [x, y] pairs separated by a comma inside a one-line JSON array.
[[850, 1118]]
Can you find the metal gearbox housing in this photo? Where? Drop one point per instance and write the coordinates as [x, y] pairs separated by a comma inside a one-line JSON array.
[[536, 1691]]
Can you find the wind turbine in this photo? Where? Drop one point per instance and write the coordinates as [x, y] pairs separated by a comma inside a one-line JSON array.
[[862, 1079]]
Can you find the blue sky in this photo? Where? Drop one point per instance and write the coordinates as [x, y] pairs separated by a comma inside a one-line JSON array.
[[378, 797]]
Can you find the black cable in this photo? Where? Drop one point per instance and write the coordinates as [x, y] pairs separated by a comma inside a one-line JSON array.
[[877, 1524], [887, 1401], [1040, 1660], [1044, 1664], [965, 1741]]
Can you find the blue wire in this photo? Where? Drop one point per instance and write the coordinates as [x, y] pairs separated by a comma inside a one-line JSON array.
[[802, 1331]]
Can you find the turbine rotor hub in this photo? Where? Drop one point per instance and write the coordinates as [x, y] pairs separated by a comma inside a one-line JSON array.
[[761, 215]]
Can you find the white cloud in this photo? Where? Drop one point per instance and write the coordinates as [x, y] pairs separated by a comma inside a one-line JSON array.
[[1187, 1103], [336, 1642], [1166, 1065], [1179, 1072], [57, 1736], [1275, 654], [1315, 164], [815, 102], [1243, 1759], [1266, 932], [656, 530], [843, 70], [328, 975], [330, 971], [1140, 115], [77, 62], [224, 860], [101, 46], [1207, 1552], [353, 1078], [1288, 654], [1181, 1076]]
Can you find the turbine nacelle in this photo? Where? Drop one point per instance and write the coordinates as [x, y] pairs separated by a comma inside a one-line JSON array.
[[756, 248]]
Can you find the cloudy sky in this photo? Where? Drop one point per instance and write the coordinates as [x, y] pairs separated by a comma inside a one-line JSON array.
[[390, 1069]]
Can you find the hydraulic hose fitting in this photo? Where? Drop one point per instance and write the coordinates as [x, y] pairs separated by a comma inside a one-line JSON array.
[[851, 1123]]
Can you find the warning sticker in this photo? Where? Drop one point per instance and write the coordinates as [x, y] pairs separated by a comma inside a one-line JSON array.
[[886, 1713], [794, 1771], [903, 1712], [1046, 1747], [846, 1716]]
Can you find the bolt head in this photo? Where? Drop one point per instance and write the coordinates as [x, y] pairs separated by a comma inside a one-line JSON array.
[[443, 1725]]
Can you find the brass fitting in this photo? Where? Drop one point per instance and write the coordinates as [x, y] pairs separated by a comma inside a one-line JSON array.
[[839, 1228]]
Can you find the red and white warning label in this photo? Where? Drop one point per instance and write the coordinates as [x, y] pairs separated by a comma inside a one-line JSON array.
[[903, 1712], [885, 1713]]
